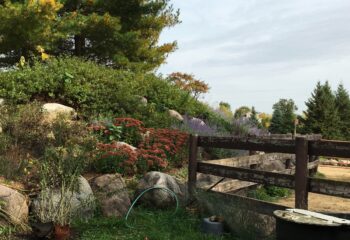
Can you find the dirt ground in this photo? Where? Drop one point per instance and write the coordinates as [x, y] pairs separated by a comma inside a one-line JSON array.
[[324, 203]]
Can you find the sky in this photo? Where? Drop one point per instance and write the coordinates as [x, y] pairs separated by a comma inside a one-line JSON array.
[[254, 52]]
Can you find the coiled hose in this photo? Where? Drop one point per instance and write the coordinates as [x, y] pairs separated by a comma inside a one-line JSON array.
[[147, 190]]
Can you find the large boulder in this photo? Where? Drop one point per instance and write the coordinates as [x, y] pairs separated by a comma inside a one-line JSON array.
[[53, 110], [273, 166], [112, 195], [82, 202], [176, 115], [14, 204], [158, 197]]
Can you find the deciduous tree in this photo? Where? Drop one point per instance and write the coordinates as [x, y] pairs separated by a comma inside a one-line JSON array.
[[189, 83]]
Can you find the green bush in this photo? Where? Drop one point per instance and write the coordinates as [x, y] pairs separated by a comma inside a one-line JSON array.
[[95, 90], [269, 193], [26, 138]]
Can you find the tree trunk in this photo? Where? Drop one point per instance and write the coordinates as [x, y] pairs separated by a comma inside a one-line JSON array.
[[79, 44]]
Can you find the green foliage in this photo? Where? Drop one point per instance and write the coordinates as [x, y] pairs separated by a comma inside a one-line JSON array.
[[24, 26], [342, 101], [122, 34], [321, 115], [241, 112], [155, 224], [95, 90], [26, 138], [283, 117], [22, 138], [269, 193], [254, 118]]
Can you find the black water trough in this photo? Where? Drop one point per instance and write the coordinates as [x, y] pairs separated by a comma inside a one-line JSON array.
[[292, 224]]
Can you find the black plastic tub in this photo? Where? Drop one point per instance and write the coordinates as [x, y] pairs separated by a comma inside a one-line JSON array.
[[295, 224]]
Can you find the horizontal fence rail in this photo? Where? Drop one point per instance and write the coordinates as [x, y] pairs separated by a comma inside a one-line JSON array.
[[316, 185], [316, 147], [305, 150]]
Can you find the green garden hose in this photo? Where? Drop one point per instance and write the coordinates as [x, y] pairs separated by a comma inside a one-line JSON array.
[[146, 190]]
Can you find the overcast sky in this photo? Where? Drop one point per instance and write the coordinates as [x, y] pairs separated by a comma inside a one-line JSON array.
[[254, 52]]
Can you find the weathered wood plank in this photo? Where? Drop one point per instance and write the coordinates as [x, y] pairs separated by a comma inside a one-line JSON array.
[[316, 147], [322, 186], [257, 176], [192, 165], [329, 187], [301, 173], [255, 144], [247, 161], [329, 148]]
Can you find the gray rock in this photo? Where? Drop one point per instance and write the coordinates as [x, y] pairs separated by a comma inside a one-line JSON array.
[[53, 110], [82, 202], [143, 101], [14, 204], [2, 101], [112, 195], [333, 162], [157, 197], [119, 144], [273, 166], [176, 115]]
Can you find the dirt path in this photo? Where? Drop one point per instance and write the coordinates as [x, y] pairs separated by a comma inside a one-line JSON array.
[[335, 173], [324, 203]]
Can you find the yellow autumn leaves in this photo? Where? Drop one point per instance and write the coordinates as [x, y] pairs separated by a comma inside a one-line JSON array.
[[44, 56], [41, 51], [53, 4], [50, 7]]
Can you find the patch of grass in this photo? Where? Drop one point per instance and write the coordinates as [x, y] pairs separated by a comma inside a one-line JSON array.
[[146, 224], [319, 175], [269, 193]]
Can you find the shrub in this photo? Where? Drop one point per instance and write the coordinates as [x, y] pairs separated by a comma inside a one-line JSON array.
[[116, 158], [26, 139], [23, 126], [95, 90], [157, 148], [269, 193]]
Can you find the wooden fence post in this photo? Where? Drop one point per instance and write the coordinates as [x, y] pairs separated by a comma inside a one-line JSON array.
[[192, 166], [301, 173]]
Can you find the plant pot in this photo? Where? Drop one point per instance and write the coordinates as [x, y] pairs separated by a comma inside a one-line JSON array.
[[62, 232]]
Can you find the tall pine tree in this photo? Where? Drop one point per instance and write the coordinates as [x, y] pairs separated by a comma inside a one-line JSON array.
[[283, 117], [117, 33], [342, 101], [321, 115]]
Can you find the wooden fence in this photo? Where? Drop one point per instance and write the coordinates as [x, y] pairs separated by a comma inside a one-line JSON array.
[[301, 182]]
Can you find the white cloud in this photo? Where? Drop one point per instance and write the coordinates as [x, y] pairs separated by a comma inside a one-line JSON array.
[[253, 52]]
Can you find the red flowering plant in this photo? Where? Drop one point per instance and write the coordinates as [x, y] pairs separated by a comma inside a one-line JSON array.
[[169, 143], [116, 157], [156, 148], [131, 130]]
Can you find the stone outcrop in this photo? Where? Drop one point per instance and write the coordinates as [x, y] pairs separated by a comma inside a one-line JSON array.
[[53, 110], [176, 115], [158, 197], [112, 195], [82, 202], [14, 204]]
